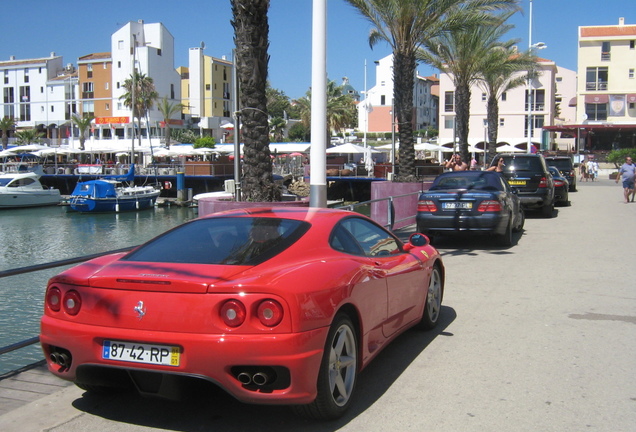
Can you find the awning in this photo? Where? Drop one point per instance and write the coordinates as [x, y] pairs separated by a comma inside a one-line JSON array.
[[631, 98], [574, 127], [596, 99], [572, 102]]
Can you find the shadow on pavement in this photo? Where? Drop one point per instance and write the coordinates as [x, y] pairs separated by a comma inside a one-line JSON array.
[[207, 407]]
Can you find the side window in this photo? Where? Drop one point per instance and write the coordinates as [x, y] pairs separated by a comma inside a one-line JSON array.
[[370, 239]]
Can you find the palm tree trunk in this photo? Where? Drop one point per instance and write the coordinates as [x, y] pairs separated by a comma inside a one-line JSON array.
[[493, 125], [251, 35], [403, 79], [462, 114]]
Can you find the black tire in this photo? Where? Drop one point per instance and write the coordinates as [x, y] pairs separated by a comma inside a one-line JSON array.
[[338, 372], [522, 221], [505, 239], [433, 303], [547, 210]]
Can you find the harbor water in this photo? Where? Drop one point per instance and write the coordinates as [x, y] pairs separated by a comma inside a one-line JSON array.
[[40, 235]]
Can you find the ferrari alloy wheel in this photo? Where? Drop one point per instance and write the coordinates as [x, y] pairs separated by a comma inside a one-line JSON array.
[[433, 304], [338, 372]]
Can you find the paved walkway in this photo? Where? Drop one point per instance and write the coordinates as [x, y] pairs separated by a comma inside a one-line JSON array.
[[535, 337]]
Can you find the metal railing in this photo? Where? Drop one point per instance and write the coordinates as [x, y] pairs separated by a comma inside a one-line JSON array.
[[357, 207], [46, 266]]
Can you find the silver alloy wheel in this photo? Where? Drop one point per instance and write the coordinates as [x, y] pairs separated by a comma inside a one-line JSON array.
[[342, 365], [434, 297]]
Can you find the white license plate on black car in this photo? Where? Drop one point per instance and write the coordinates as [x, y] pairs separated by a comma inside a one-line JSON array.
[[141, 353], [457, 205]]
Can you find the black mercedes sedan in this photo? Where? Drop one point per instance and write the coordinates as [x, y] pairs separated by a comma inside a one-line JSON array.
[[469, 203]]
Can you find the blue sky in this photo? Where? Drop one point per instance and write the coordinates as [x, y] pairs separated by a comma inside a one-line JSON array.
[[73, 28]]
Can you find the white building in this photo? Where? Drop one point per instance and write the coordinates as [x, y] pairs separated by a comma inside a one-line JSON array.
[[152, 47], [549, 89], [375, 111], [39, 93]]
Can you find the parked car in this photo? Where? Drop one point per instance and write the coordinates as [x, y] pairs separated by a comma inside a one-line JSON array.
[[274, 305], [565, 165], [528, 174], [561, 187], [469, 203]]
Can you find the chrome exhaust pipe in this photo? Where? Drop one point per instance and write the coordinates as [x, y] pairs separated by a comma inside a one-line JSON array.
[[260, 378], [64, 360], [244, 378], [54, 358]]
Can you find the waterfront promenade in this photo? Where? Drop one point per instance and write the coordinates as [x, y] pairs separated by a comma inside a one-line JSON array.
[[535, 337]]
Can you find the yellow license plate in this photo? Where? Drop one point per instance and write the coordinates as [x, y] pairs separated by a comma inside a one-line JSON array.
[[517, 182]]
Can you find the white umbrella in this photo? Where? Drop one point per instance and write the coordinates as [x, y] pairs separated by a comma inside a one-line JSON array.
[[350, 148], [507, 148], [28, 148]]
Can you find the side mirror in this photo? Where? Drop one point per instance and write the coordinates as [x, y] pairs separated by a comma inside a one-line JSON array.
[[416, 240]]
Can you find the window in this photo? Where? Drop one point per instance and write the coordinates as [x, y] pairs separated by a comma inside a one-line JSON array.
[[88, 107], [107, 106], [632, 44], [483, 97], [449, 122], [504, 96], [605, 51], [106, 85], [6, 76], [89, 71], [537, 123], [631, 74], [596, 111], [502, 122], [119, 64], [207, 87], [596, 78], [159, 51], [538, 100], [52, 108], [383, 100], [360, 237], [26, 75], [87, 90], [41, 89], [449, 101]]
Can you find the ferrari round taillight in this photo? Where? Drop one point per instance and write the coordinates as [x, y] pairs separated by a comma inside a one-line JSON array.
[[270, 313], [233, 313], [72, 302], [54, 299]]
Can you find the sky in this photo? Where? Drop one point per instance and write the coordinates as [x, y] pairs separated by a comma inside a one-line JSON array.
[[74, 28]]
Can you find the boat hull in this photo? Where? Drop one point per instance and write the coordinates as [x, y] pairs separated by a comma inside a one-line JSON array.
[[29, 199], [113, 205]]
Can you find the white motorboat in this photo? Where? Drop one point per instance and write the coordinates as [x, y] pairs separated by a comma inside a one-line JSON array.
[[23, 189]]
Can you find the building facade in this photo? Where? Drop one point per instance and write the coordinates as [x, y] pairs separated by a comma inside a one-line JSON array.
[[375, 112], [39, 93], [606, 90]]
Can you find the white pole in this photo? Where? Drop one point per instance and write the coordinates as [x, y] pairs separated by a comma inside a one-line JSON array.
[[366, 104], [318, 176], [529, 145]]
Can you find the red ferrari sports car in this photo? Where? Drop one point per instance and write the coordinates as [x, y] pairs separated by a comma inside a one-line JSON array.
[[274, 305]]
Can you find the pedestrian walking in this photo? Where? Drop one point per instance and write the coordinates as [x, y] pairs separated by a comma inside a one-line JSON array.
[[626, 173], [582, 170]]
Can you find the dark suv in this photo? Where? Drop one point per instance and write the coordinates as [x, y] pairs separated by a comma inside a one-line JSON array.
[[566, 166], [528, 175]]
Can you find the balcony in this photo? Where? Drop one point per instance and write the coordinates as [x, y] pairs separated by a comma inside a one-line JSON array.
[[596, 86], [88, 95]]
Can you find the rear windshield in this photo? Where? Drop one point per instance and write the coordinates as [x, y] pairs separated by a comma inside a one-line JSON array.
[[472, 180], [228, 241], [561, 164], [522, 164]]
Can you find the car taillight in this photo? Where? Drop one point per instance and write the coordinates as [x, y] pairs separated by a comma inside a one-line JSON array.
[[72, 302], [54, 299], [426, 206], [270, 313], [558, 183], [233, 313], [543, 183], [489, 206]]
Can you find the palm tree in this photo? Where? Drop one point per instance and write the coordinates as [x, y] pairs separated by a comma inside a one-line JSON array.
[[461, 54], [167, 110], [341, 108], [145, 96], [6, 124], [404, 25], [28, 136], [251, 38], [83, 124], [276, 128], [500, 73]]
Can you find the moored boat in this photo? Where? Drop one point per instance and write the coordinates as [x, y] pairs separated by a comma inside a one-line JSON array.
[[23, 189], [113, 194]]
